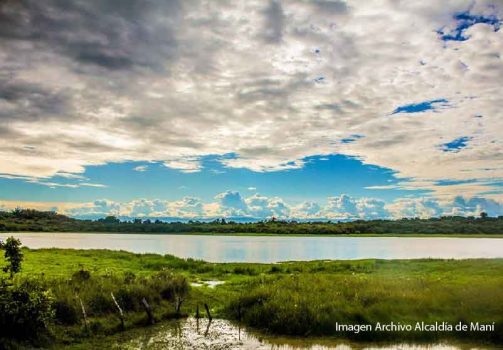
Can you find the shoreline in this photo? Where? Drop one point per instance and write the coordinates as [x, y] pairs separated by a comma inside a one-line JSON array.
[[247, 234]]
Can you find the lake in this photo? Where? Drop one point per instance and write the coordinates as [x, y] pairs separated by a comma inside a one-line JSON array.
[[268, 249]]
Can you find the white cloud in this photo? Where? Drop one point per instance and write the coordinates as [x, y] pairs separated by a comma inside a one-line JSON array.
[[79, 180], [474, 206], [415, 207], [188, 207], [232, 204], [271, 82], [264, 207], [346, 207], [307, 209], [431, 207], [185, 165], [141, 168]]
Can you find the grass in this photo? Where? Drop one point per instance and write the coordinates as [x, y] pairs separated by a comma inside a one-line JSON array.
[[310, 305], [291, 298]]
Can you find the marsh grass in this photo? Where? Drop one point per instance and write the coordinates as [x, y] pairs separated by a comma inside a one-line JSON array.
[[311, 305], [67, 296], [290, 298]]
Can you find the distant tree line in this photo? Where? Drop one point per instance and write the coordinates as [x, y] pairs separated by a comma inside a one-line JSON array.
[[33, 220]]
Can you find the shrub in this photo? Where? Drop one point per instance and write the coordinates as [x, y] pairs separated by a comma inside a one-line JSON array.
[[96, 327], [66, 312], [81, 275], [25, 310], [101, 303], [241, 270], [275, 269], [129, 277]]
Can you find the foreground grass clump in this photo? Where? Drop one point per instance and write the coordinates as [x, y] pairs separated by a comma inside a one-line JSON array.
[[306, 304], [43, 309], [95, 292]]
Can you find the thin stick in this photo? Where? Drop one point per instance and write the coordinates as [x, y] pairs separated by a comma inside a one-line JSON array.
[[83, 313], [148, 310], [121, 313], [208, 311]]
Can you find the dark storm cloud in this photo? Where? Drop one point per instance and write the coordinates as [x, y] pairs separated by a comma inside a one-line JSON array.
[[110, 34]]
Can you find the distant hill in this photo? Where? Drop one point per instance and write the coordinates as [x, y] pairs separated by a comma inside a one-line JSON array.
[[33, 220]]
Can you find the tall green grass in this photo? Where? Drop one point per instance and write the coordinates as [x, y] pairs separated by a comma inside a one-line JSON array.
[[95, 293], [308, 304], [79, 305], [293, 298]]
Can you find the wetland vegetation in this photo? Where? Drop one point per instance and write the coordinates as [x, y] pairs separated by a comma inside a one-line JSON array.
[[45, 299]]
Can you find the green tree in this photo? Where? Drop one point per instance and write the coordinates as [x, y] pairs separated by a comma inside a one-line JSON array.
[[483, 215], [13, 255]]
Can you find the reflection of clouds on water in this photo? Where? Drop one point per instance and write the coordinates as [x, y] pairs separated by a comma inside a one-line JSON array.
[[266, 249], [192, 334]]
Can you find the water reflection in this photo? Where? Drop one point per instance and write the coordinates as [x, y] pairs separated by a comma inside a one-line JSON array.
[[272, 248], [222, 335]]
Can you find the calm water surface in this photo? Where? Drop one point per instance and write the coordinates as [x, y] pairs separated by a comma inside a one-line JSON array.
[[191, 334], [268, 249]]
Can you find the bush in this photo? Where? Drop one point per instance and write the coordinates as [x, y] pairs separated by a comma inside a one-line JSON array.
[[241, 270], [171, 285], [129, 277], [25, 310], [275, 269], [101, 303], [66, 312], [96, 327], [81, 275]]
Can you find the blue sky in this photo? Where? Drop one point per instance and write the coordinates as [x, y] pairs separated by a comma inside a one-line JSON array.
[[321, 176], [325, 109]]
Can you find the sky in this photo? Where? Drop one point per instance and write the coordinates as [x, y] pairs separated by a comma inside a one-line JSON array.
[[316, 110]]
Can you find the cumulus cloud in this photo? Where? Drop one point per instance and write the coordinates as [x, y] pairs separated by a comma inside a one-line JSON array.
[[232, 204], [346, 207], [188, 207], [415, 207], [457, 206], [98, 208], [307, 209], [264, 207], [474, 206], [91, 82]]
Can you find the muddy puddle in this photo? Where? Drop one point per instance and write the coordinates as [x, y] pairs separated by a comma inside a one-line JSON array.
[[192, 334]]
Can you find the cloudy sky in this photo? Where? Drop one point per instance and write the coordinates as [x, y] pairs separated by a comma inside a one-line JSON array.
[[297, 109]]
